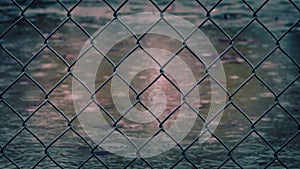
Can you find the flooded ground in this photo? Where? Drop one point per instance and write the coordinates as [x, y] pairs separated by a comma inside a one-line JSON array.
[[38, 122]]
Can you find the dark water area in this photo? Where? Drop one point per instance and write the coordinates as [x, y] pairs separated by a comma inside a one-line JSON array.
[[30, 125]]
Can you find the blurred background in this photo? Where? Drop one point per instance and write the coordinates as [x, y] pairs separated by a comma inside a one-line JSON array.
[[258, 43]]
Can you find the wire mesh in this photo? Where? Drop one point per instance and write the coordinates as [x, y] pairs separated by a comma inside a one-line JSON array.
[[45, 100]]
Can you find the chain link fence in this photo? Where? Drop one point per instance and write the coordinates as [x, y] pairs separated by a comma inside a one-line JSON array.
[[257, 42]]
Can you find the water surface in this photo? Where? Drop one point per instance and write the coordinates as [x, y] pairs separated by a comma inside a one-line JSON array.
[[38, 122]]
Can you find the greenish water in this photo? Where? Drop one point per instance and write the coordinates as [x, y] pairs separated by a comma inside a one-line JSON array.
[[47, 123]]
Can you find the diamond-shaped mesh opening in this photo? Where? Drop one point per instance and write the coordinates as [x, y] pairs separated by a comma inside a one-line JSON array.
[[18, 150], [26, 101], [39, 14], [273, 124], [43, 65], [22, 48], [234, 75], [72, 143], [215, 36], [119, 51], [258, 152], [276, 23], [255, 42], [47, 124], [41, 44], [91, 15], [273, 72], [247, 99], [231, 15], [68, 45], [234, 129]]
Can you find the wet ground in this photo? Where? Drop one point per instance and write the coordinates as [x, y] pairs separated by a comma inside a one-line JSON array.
[[48, 122]]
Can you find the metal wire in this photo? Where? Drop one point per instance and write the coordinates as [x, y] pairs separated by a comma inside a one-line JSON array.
[[184, 150]]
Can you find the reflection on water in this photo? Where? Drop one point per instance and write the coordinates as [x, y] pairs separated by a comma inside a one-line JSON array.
[[24, 103]]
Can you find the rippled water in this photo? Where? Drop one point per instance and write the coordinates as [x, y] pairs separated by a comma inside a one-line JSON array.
[[48, 120]]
